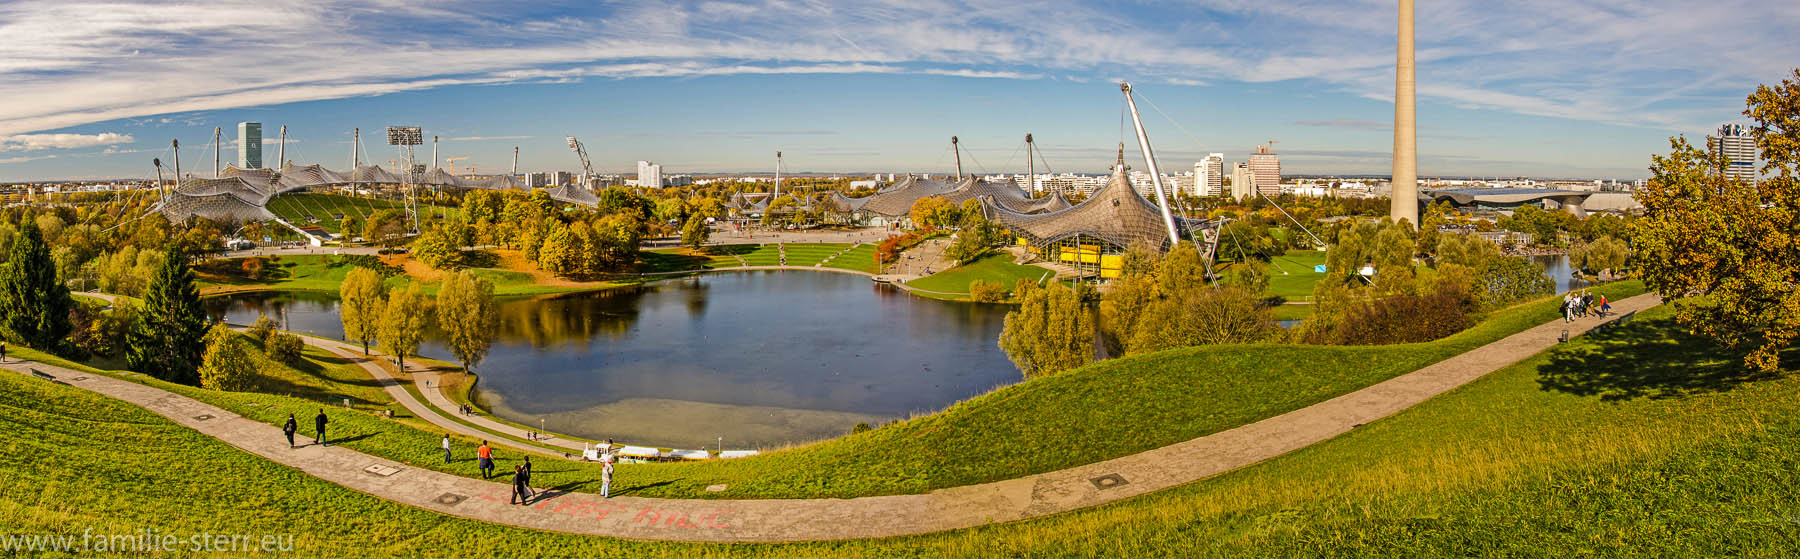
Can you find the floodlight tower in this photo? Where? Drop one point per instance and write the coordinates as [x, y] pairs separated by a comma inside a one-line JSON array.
[[404, 138], [587, 169]]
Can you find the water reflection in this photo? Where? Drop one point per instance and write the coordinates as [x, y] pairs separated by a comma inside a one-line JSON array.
[[759, 358]]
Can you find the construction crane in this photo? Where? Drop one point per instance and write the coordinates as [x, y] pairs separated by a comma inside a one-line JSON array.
[[452, 161], [587, 169]]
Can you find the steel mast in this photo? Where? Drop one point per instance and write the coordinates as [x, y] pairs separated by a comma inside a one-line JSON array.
[[281, 149], [1150, 160], [587, 169], [1030, 170], [216, 148], [958, 149]]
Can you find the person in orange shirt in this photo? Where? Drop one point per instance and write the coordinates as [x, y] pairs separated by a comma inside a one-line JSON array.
[[485, 456]]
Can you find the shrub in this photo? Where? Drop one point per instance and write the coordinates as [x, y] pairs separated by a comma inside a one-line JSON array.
[[283, 347], [861, 427], [1508, 280], [984, 291], [226, 365], [1405, 319], [262, 328], [1204, 316]]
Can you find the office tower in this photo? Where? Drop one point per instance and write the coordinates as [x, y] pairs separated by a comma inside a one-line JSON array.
[[1738, 147], [1243, 182], [649, 175], [1267, 168], [1209, 175], [250, 145]]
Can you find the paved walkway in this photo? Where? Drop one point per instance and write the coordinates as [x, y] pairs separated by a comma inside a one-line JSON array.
[[837, 519]]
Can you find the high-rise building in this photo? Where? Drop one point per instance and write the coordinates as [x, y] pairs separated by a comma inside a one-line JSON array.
[[1209, 175], [560, 178], [1267, 168], [1243, 182], [250, 145], [649, 175], [1738, 148]]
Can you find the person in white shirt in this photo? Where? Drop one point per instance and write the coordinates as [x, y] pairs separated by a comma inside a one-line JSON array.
[[446, 448]]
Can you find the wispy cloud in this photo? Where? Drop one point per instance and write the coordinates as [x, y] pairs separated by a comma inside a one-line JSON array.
[[1642, 62], [485, 138], [24, 158], [34, 142]]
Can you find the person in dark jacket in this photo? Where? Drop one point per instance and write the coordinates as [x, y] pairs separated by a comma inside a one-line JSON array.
[[527, 467], [518, 483], [319, 425], [289, 429]]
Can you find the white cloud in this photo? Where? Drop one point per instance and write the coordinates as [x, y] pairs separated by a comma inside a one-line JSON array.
[[34, 142], [1644, 62]]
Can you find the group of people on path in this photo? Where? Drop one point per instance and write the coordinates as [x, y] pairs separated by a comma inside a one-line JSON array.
[[319, 421], [1578, 304], [484, 456]]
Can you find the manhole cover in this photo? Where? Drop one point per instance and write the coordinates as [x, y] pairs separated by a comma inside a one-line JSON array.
[[451, 499], [1108, 481], [381, 470], [203, 417]]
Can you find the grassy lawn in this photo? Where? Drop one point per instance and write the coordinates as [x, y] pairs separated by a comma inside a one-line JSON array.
[[997, 267], [323, 209], [761, 255], [676, 259], [807, 254], [861, 259], [1628, 443], [1177, 395]]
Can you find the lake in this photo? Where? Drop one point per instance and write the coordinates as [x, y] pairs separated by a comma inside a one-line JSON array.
[[760, 359]]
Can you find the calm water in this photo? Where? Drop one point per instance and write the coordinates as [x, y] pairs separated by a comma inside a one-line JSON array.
[[758, 358]]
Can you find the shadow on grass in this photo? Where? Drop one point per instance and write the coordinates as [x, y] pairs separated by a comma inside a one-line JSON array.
[[1654, 358]]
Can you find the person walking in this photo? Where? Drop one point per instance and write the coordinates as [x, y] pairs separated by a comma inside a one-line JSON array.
[[528, 491], [1568, 307], [1604, 306], [606, 471], [289, 429], [446, 448], [319, 422], [484, 458], [2, 352], [518, 489]]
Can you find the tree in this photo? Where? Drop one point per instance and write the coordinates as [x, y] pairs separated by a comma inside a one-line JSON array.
[[933, 211], [361, 299], [262, 327], [557, 254], [695, 232], [34, 306], [468, 316], [167, 342], [226, 364], [1204, 316], [1510, 279], [1600, 256], [284, 348], [1728, 244], [386, 227], [1051, 332], [404, 324], [975, 237], [984, 291], [436, 249]]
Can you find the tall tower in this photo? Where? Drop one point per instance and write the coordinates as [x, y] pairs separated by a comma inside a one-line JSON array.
[[1405, 190], [1737, 146], [250, 145]]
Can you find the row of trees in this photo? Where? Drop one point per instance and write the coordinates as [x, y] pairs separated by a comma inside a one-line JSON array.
[[467, 314]]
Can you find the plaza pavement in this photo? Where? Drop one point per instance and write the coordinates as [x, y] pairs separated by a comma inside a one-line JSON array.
[[780, 520]]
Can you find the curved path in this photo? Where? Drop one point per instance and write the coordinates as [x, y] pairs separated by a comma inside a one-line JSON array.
[[835, 519]]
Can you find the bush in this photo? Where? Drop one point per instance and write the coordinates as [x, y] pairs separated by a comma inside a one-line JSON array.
[[1406, 319], [984, 291], [861, 427], [1508, 280], [283, 347], [1204, 316], [262, 328]]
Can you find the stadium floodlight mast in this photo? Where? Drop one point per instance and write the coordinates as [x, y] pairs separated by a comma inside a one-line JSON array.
[[404, 138]]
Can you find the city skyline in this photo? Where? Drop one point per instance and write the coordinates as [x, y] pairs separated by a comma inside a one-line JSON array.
[[876, 88]]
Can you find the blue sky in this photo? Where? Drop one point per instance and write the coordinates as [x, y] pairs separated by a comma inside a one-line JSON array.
[[1531, 87]]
